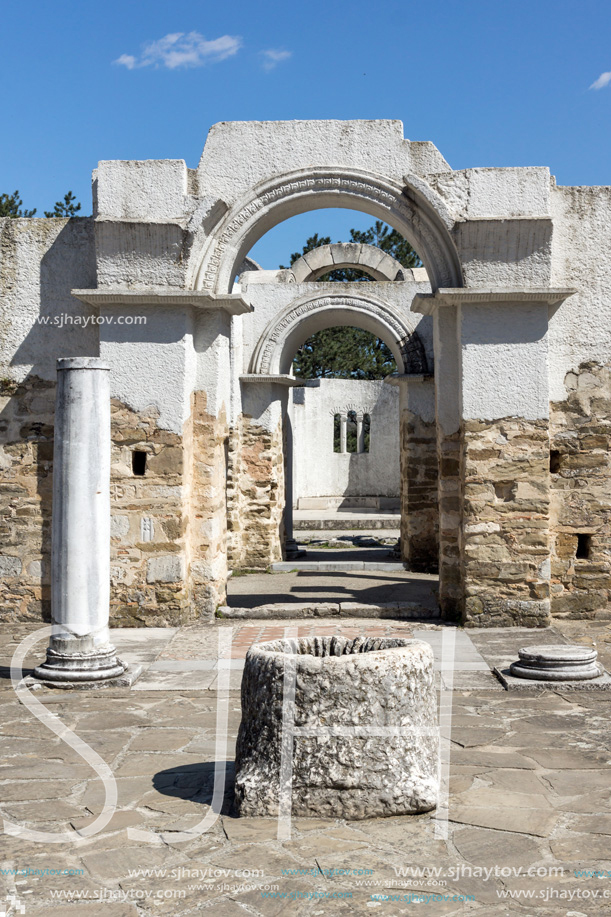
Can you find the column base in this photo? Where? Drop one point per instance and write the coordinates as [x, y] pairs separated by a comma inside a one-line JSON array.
[[292, 551], [80, 667]]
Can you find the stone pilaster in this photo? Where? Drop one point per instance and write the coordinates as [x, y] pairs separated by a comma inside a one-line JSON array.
[[418, 472], [580, 494], [207, 507], [256, 496], [491, 367], [505, 543]]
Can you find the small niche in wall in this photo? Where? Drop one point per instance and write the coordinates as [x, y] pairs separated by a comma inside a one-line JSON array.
[[554, 461], [584, 547], [139, 463]]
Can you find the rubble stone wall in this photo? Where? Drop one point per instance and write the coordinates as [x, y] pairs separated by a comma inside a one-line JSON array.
[[581, 494], [450, 574], [168, 561], [505, 538], [168, 526], [255, 495], [26, 460]]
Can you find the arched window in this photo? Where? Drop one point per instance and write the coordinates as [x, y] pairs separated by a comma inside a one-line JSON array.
[[351, 437], [366, 432], [337, 433]]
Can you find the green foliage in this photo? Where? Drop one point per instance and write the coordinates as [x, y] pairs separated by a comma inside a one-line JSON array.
[[345, 352], [65, 208], [11, 204], [390, 241]]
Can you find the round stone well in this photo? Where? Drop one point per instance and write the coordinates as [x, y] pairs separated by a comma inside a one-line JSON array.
[[363, 717]]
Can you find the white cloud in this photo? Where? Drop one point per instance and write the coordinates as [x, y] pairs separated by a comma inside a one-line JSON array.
[[182, 49], [603, 80], [273, 56]]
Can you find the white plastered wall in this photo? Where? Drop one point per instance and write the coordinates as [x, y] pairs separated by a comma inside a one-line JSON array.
[[321, 472]]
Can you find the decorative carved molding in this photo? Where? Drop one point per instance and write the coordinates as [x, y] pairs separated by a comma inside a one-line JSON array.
[[414, 355], [418, 213], [275, 335]]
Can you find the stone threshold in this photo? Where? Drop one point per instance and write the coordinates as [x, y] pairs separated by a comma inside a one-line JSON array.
[[281, 610], [338, 566]]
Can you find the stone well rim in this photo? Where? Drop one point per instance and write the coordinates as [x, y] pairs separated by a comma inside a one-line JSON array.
[[359, 648]]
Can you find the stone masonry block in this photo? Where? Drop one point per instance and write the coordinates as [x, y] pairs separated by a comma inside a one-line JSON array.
[[167, 568]]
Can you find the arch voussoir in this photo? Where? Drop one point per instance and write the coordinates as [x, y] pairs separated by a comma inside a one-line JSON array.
[[369, 259]]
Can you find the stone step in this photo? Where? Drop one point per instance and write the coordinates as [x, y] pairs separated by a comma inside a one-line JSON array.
[[335, 566], [346, 523], [397, 610]]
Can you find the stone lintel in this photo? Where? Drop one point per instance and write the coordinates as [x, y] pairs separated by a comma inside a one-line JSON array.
[[428, 303], [279, 379], [233, 303]]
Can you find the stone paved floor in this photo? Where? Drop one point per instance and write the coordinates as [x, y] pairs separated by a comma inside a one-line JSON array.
[[529, 785], [367, 587]]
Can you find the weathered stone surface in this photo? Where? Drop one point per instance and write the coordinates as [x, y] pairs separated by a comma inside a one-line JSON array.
[[420, 509], [556, 663], [483, 848], [340, 683], [164, 569], [538, 822], [255, 495], [505, 541], [580, 429]]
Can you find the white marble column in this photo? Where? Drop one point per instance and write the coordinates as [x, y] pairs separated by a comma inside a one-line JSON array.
[[360, 434], [343, 433], [80, 648]]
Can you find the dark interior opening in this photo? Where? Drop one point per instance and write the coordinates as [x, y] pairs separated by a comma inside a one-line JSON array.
[[584, 546], [139, 463], [554, 461]]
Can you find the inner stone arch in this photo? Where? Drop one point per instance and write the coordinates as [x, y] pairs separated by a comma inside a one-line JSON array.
[[368, 258], [414, 210], [289, 329]]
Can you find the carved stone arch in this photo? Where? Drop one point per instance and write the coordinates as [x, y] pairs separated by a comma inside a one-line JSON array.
[[289, 329], [367, 258], [413, 209]]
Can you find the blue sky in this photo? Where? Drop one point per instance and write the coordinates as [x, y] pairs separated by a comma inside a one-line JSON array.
[[490, 83]]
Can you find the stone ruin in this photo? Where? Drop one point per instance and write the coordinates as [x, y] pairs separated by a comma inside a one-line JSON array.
[[363, 713], [502, 344]]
